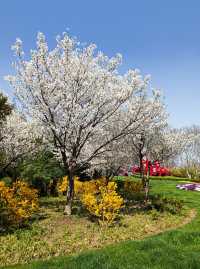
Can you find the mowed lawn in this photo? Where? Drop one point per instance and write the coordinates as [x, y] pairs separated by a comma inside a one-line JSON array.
[[170, 250]]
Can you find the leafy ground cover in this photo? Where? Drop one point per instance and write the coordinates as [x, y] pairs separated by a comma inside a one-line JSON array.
[[56, 234], [178, 248]]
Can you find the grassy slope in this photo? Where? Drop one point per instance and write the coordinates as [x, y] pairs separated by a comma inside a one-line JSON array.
[[173, 249]]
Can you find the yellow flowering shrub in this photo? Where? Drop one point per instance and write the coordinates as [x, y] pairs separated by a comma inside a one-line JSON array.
[[104, 204], [98, 197], [93, 186], [133, 186], [80, 188], [89, 187], [62, 185], [17, 203]]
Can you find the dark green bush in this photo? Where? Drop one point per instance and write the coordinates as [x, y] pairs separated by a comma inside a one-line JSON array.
[[164, 204], [7, 180], [42, 172]]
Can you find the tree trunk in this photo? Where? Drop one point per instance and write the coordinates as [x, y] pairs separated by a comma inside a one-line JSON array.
[[70, 194], [53, 190], [107, 180], [146, 187], [70, 191], [141, 168]]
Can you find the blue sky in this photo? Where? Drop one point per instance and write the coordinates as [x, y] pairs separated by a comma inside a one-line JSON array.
[[158, 37]]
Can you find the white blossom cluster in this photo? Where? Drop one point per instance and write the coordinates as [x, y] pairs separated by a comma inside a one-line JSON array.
[[19, 138], [79, 100]]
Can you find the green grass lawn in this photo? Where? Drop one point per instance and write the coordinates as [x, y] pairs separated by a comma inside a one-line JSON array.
[[171, 178], [173, 249]]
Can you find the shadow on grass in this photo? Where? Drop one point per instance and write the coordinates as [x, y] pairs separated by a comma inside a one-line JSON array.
[[10, 229]]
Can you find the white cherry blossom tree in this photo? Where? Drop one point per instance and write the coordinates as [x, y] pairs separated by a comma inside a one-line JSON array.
[[19, 138], [76, 95], [189, 158]]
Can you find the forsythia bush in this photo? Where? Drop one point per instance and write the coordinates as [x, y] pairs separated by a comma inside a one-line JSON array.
[[105, 205], [62, 185], [99, 198], [17, 203], [132, 186], [80, 188]]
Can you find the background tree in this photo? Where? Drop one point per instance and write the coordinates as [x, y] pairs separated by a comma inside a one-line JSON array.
[[143, 142], [5, 108], [170, 145], [19, 139], [189, 158]]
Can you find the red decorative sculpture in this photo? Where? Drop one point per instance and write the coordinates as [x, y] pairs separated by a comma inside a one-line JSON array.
[[155, 169]]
